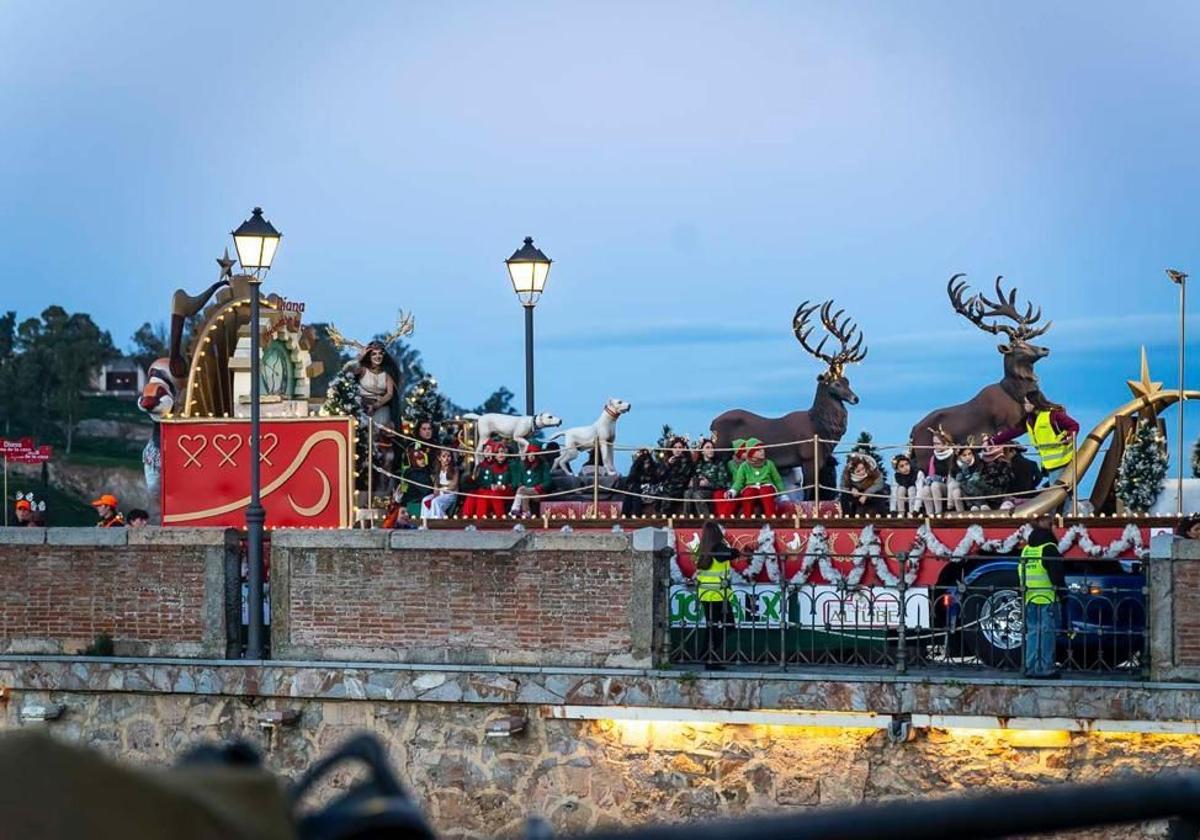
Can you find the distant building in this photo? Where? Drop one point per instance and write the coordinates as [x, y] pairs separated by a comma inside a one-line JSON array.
[[121, 377]]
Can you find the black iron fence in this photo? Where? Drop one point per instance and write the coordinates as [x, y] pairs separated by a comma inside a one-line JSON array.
[[1097, 622]]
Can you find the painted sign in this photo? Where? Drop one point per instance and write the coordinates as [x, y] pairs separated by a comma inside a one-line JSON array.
[[826, 608], [306, 466], [24, 451]]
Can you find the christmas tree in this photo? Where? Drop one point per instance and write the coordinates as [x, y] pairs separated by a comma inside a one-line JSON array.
[[425, 402], [341, 400], [1196, 459], [866, 445], [1143, 467]]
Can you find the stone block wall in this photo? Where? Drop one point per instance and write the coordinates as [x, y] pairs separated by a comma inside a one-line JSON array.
[[155, 592], [462, 597]]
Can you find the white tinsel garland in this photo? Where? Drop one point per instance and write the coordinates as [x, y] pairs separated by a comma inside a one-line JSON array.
[[869, 548]]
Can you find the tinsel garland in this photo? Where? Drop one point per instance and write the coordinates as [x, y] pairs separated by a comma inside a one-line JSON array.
[[815, 552]]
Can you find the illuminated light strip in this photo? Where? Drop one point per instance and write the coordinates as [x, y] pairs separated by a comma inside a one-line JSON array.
[[846, 720], [1061, 724]]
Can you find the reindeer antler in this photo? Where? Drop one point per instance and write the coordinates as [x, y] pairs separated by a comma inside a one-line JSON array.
[[977, 307], [842, 329], [340, 340], [405, 324]]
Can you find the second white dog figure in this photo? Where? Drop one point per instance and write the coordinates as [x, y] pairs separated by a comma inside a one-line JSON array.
[[603, 433], [511, 426]]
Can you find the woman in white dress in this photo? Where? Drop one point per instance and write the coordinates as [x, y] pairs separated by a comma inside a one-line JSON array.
[[378, 381], [439, 503]]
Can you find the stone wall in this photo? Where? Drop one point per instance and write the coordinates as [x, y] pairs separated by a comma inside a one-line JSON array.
[[1173, 601], [500, 597], [158, 592], [579, 774]]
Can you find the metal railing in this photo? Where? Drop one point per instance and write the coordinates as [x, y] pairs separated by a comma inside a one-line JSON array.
[[1099, 623]]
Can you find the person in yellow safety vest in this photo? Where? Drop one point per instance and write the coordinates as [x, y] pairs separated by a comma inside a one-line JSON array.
[[713, 571], [1041, 577], [1051, 430]]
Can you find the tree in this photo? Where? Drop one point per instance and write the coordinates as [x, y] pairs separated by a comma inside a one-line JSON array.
[[149, 343], [1143, 467], [1196, 459], [425, 402], [500, 402], [866, 445]]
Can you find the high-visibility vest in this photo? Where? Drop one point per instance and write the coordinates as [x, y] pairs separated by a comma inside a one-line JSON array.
[[1052, 446], [1039, 589], [712, 583]]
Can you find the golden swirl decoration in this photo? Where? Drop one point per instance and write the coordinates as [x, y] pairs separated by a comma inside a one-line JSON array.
[[313, 510], [313, 441]]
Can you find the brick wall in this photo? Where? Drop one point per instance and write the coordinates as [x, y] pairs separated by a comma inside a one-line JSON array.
[[154, 592], [444, 596]]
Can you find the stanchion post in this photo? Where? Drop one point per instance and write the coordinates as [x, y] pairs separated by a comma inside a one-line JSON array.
[[1074, 476], [816, 475], [596, 480], [370, 470]]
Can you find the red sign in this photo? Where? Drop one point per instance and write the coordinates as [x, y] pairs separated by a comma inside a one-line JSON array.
[[306, 467], [24, 451]]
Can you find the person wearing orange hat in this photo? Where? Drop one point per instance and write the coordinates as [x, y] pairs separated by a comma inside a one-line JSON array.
[[24, 513], [530, 478], [106, 509]]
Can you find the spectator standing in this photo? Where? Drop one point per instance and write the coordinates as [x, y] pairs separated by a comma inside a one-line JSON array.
[[26, 515], [1189, 527], [1041, 576], [714, 592], [137, 518], [106, 509]]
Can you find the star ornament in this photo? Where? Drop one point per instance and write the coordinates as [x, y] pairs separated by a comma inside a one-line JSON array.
[[226, 263], [1143, 388]]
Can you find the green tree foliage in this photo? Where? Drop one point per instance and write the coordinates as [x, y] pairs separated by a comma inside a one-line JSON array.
[[866, 445], [148, 343], [500, 402], [1143, 467]]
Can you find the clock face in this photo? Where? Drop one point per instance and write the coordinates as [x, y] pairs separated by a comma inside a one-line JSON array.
[[276, 370]]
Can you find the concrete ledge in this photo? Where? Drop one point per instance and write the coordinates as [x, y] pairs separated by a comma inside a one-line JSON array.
[[87, 536], [578, 541], [448, 540], [1004, 698], [333, 538], [154, 535], [22, 536]]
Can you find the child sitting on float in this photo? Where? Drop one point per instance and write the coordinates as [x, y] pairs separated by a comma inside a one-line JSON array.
[[966, 470], [493, 487], [757, 480], [864, 492], [992, 482], [439, 503], [709, 480], [937, 479], [530, 477], [904, 488]]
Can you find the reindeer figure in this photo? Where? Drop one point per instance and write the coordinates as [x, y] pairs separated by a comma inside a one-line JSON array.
[[827, 416], [998, 405]]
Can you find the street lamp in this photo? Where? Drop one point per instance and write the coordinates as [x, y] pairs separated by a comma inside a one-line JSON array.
[[256, 241], [1180, 279], [528, 269]]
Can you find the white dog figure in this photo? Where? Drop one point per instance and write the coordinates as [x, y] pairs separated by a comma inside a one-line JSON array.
[[510, 426], [602, 432]]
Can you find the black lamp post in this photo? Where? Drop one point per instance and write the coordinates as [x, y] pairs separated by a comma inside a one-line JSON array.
[[528, 269], [256, 241]]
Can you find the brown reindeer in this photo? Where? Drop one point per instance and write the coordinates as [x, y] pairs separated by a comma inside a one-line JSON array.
[[827, 417], [998, 405]]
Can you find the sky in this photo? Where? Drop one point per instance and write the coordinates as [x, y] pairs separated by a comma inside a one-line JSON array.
[[695, 170]]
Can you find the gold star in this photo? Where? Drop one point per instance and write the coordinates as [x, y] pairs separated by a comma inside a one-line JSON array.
[[226, 265], [1143, 387]]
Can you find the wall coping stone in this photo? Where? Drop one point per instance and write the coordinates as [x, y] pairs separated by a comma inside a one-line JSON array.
[[22, 536], [87, 536], [157, 535], [881, 694], [454, 540], [329, 538]]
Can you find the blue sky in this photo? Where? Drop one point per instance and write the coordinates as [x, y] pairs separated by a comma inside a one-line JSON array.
[[695, 170]]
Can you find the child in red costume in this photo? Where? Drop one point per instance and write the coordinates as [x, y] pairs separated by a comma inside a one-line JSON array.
[[757, 480], [493, 486], [723, 504]]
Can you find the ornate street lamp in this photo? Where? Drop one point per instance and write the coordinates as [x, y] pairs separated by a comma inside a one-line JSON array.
[[256, 241], [528, 269], [1180, 279]]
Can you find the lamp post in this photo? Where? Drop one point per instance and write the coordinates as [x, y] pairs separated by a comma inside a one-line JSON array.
[[528, 269], [256, 241], [1180, 279]]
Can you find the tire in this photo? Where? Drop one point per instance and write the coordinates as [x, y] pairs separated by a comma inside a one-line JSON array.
[[993, 619]]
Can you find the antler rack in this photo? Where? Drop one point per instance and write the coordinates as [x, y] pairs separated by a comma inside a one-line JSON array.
[[977, 307], [405, 324], [843, 329]]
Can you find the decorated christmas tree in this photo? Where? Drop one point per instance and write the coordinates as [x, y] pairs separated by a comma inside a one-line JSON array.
[[425, 402], [1196, 459], [1143, 467], [866, 445], [341, 397]]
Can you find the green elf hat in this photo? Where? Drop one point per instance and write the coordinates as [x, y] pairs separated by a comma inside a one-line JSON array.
[[739, 447], [749, 445]]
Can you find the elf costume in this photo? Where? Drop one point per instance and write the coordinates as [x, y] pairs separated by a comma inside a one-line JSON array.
[[493, 484], [528, 476], [757, 480]]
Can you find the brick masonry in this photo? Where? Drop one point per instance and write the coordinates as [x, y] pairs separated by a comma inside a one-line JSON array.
[[154, 592], [438, 597]]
